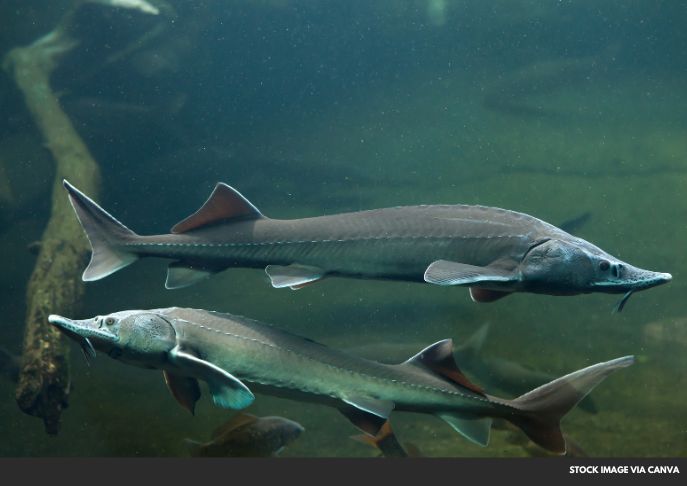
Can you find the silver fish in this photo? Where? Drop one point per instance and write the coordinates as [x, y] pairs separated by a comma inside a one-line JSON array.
[[225, 350], [492, 251]]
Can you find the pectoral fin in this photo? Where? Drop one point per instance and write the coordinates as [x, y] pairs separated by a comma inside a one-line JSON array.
[[366, 413], [444, 272], [227, 390], [184, 389], [295, 276]]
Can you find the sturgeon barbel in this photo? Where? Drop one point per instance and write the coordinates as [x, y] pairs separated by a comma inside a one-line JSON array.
[[225, 351], [492, 251]]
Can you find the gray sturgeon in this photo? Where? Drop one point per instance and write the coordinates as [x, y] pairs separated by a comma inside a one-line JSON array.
[[225, 350], [492, 251]]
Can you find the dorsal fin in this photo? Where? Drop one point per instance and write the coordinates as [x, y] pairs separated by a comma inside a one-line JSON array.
[[224, 203], [438, 358], [235, 422]]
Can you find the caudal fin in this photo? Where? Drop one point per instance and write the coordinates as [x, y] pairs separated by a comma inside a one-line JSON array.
[[105, 234], [542, 408]]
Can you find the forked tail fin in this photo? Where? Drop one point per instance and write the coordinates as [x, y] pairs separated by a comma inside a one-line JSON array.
[[542, 408], [104, 233]]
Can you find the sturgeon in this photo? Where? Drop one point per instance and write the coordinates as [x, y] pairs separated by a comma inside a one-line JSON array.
[[492, 251], [225, 351]]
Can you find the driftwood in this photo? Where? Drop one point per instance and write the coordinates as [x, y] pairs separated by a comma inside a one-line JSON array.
[[55, 285]]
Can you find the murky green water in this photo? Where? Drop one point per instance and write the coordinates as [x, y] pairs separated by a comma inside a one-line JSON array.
[[550, 108]]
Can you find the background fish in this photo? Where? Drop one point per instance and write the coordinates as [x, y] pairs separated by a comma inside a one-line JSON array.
[[246, 435]]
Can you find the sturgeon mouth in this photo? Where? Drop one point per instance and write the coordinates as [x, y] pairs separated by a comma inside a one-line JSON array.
[[637, 279]]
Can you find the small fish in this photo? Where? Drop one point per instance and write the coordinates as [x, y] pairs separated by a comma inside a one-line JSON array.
[[224, 350], [494, 252], [246, 435]]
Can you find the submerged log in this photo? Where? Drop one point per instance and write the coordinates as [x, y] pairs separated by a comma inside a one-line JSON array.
[[55, 285]]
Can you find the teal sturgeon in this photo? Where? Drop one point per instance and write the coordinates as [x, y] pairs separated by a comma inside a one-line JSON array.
[[225, 351], [492, 251]]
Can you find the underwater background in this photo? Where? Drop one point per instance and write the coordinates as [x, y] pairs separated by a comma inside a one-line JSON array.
[[560, 109]]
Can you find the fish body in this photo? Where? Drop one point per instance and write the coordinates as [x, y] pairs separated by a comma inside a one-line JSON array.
[[492, 251], [226, 351], [246, 435], [513, 92]]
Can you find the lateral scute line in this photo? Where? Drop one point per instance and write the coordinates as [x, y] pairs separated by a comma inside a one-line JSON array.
[[309, 358]]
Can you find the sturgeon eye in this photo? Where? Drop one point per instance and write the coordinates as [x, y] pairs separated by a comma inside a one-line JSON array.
[[604, 265], [109, 321]]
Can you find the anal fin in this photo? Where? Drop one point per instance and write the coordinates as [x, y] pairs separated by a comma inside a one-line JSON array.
[[472, 427]]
